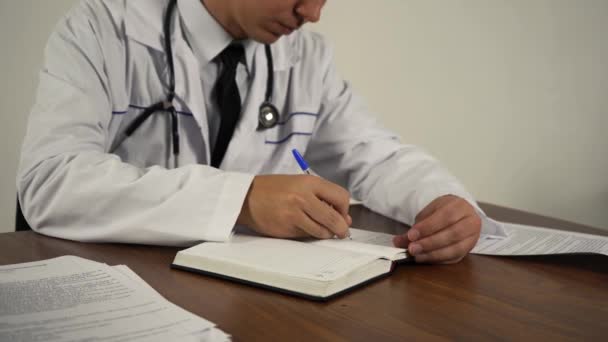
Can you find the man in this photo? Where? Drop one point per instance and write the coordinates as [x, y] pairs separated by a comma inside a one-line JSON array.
[[107, 61]]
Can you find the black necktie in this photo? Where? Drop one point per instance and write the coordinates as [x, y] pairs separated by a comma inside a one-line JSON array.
[[228, 100]]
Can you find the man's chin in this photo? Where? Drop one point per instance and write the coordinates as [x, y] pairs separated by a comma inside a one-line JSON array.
[[267, 37]]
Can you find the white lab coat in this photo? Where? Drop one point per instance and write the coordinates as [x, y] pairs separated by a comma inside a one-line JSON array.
[[105, 61]]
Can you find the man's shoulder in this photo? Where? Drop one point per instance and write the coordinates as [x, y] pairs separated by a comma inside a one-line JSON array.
[[101, 7], [307, 46], [101, 16], [307, 41]]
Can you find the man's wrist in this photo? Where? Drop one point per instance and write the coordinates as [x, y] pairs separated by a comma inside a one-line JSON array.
[[244, 217]]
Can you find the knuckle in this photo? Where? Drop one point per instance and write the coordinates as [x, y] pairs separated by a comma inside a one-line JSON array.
[[426, 232], [461, 250], [462, 232], [460, 203], [294, 200], [315, 233], [477, 223], [452, 235], [292, 217], [428, 244], [326, 234], [443, 238], [344, 194], [453, 215], [321, 233], [433, 223], [333, 220], [290, 198], [424, 229], [288, 217]]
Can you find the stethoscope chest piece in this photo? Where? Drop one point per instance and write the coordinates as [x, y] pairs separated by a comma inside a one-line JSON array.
[[269, 115]]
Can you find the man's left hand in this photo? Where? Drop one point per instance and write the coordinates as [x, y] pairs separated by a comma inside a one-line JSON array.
[[444, 232]]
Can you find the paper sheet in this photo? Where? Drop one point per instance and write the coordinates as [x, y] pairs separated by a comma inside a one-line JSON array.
[[529, 240], [73, 299]]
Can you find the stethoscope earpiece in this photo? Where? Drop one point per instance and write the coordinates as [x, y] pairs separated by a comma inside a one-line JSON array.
[[268, 116]]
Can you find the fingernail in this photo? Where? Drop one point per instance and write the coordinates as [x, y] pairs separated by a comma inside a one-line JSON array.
[[414, 248], [413, 235], [396, 240], [399, 241]]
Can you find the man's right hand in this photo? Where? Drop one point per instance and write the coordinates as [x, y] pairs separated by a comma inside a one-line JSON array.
[[289, 206]]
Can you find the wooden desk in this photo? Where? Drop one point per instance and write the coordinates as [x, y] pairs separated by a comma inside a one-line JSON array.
[[490, 298]]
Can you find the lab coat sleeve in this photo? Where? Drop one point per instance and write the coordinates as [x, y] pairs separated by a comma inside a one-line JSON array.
[[69, 187], [395, 179]]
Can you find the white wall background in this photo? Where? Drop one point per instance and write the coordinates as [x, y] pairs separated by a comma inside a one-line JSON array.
[[511, 95]]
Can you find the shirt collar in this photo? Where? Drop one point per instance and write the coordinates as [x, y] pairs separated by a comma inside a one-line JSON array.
[[144, 21], [206, 36]]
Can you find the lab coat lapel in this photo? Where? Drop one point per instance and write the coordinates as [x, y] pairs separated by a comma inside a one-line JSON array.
[[144, 22], [189, 89], [144, 25]]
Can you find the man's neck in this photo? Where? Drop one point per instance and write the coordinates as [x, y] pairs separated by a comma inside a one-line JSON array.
[[221, 11]]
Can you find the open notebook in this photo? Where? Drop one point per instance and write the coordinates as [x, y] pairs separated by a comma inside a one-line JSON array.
[[314, 269]]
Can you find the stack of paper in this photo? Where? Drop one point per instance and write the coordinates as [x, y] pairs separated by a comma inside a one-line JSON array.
[[74, 299], [530, 240]]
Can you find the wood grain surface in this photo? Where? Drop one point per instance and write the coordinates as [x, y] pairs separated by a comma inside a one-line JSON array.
[[480, 298]]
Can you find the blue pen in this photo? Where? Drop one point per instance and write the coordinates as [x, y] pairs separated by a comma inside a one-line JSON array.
[[304, 166]]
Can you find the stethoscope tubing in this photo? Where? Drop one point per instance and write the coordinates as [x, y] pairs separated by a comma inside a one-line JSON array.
[[268, 113]]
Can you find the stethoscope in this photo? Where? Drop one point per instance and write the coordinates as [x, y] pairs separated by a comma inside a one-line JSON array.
[[268, 115]]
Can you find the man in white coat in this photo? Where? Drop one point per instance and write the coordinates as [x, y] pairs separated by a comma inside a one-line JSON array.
[[167, 184]]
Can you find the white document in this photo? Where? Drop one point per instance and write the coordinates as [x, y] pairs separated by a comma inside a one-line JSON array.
[[203, 334], [528, 240], [74, 299], [519, 240]]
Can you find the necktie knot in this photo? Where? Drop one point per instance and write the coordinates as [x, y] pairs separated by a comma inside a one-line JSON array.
[[231, 56]]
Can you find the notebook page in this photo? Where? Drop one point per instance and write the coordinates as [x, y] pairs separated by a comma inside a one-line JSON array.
[[292, 258], [378, 244]]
